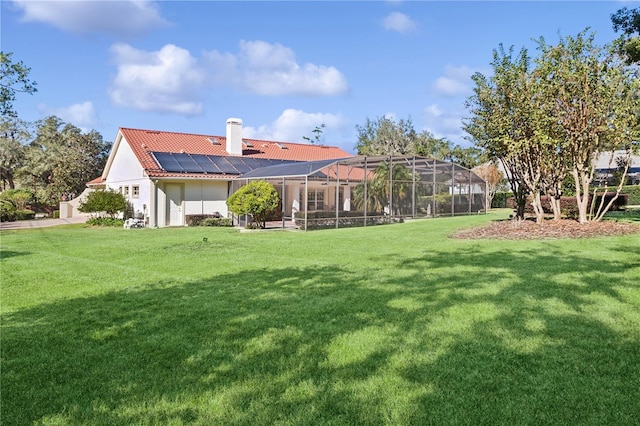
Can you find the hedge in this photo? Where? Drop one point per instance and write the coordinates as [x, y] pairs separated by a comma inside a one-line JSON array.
[[633, 191], [500, 200], [346, 219], [196, 219], [217, 221], [569, 205]]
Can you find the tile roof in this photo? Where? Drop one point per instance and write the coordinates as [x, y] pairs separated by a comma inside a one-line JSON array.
[[143, 142], [97, 181]]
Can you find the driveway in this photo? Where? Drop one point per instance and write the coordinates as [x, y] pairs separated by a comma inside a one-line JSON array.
[[41, 223]]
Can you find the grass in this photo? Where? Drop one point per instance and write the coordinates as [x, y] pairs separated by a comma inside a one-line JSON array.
[[394, 325]]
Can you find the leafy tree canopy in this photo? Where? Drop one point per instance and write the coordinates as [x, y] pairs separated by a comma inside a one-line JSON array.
[[317, 134], [14, 135], [13, 79], [554, 118], [257, 199], [385, 136], [62, 159], [104, 201], [627, 21]]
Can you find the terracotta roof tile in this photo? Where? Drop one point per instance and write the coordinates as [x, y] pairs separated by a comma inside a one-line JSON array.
[[97, 181], [143, 142]]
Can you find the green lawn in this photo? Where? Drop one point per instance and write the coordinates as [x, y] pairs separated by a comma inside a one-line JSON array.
[[394, 324]]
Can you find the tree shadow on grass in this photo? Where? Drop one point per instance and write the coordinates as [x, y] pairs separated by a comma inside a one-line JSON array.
[[498, 341], [6, 254]]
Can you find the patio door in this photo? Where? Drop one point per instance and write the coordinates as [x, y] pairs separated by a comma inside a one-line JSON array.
[[174, 204]]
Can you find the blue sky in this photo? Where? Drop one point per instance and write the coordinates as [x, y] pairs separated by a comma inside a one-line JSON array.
[[282, 67]]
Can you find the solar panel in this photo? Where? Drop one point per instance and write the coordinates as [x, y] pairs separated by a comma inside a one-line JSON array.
[[206, 164], [289, 168], [223, 165], [238, 164], [199, 163], [251, 164], [187, 163], [167, 162]]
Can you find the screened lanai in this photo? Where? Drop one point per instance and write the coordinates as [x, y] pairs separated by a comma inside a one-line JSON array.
[[365, 191]]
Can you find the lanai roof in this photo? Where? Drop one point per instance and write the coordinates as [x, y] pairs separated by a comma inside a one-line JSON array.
[[356, 167]]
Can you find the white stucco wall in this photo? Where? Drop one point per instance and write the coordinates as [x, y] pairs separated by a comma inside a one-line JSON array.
[[126, 171], [205, 197], [198, 196]]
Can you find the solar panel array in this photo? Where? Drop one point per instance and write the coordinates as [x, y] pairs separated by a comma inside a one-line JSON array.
[[198, 163]]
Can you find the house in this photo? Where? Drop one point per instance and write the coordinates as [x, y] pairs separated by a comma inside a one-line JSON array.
[[168, 176], [609, 163]]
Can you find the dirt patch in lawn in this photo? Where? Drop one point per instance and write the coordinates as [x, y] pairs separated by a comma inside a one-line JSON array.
[[530, 230]]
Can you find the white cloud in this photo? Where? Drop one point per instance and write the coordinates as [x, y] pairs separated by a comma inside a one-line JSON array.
[[293, 125], [391, 116], [271, 69], [455, 82], [122, 17], [82, 115], [399, 22], [167, 80], [445, 124]]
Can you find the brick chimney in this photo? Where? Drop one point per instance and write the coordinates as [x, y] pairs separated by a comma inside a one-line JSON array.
[[234, 136]]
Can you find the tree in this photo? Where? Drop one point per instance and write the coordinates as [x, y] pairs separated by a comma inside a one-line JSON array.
[[104, 201], [502, 123], [385, 136], [257, 198], [13, 79], [555, 118], [595, 100], [317, 134], [492, 174], [14, 135], [61, 159], [468, 157], [627, 21], [381, 194]]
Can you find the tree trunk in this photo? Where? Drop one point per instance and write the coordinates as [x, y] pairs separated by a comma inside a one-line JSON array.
[[537, 208], [582, 194], [520, 197], [556, 207]]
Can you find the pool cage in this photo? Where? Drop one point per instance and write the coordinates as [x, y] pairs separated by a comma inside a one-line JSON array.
[[365, 191]]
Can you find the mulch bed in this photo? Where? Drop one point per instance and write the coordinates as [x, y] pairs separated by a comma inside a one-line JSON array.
[[548, 229]]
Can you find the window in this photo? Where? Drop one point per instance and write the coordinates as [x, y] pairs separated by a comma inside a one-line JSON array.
[[135, 191], [126, 191], [315, 199], [120, 189]]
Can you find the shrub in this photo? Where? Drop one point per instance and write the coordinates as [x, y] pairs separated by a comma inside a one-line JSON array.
[[20, 198], [256, 198], [569, 205], [101, 201], [25, 214], [500, 200], [217, 221], [7, 211], [105, 221], [197, 219], [633, 191]]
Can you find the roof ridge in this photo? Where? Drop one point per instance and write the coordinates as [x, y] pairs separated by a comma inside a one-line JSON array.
[[224, 137]]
